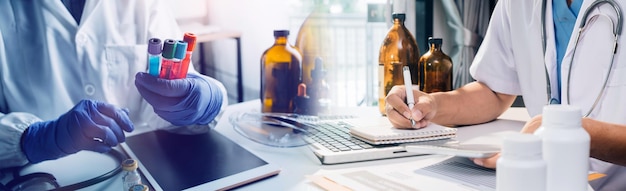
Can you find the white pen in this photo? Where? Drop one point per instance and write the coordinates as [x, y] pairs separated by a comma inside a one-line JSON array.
[[409, 91]]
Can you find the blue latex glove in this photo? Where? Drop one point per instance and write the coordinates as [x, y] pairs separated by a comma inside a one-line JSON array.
[[90, 125], [189, 101]]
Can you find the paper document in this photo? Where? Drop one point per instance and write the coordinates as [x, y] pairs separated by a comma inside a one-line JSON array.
[[398, 176], [430, 173]]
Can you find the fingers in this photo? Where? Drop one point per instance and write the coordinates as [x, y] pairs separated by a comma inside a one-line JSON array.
[[397, 120], [423, 110], [161, 93], [396, 98], [399, 113], [103, 125], [487, 162], [119, 115], [102, 139], [149, 84], [157, 100], [532, 125]]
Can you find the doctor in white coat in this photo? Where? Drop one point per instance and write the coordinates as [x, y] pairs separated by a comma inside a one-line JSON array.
[[72, 78], [511, 62]]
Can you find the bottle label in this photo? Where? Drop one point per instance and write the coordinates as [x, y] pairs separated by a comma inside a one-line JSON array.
[[381, 81], [381, 89]]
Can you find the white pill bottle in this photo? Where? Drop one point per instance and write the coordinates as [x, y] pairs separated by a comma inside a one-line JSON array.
[[521, 166], [565, 148]]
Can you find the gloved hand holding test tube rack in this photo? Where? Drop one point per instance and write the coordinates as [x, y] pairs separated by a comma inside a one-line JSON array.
[[170, 59]]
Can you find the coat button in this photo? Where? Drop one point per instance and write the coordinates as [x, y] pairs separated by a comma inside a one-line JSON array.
[[81, 38], [89, 89]]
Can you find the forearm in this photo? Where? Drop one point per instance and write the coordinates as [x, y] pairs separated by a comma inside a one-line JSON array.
[[473, 103], [608, 141]]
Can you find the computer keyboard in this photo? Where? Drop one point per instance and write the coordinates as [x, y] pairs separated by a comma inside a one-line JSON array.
[[336, 137], [332, 143]]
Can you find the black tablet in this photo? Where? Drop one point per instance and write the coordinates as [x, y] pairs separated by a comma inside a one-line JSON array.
[[207, 161]]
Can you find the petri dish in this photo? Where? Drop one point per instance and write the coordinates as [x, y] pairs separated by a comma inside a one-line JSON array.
[[274, 129]]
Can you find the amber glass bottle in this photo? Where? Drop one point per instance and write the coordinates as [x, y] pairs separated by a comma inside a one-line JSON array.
[[399, 49], [314, 41], [437, 68], [281, 72]]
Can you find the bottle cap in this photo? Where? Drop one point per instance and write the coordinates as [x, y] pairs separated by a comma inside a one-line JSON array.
[[190, 38], [138, 187], [520, 145], [561, 116], [154, 46], [181, 49], [278, 33], [169, 47], [301, 90], [129, 165], [432, 40], [400, 16]]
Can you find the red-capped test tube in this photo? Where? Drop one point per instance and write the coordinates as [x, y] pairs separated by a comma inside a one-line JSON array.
[[190, 38], [169, 46]]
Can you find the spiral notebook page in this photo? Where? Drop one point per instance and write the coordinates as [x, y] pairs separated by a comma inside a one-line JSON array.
[[380, 131]]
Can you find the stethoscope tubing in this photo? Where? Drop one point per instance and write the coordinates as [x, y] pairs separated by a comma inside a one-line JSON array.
[[616, 32]]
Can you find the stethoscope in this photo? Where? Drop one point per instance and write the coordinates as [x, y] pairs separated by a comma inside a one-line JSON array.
[[616, 32]]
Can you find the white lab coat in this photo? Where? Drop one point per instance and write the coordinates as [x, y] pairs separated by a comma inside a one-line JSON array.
[[511, 61], [48, 63]]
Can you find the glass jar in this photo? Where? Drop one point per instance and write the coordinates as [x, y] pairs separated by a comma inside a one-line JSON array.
[[281, 72], [437, 68]]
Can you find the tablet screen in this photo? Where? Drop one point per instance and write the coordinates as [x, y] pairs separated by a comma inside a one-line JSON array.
[[177, 161]]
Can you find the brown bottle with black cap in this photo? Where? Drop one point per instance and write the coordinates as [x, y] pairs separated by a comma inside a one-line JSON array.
[[281, 72], [436, 68], [399, 49]]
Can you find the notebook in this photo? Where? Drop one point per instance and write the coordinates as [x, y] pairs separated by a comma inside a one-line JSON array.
[[207, 161], [332, 143], [385, 134]]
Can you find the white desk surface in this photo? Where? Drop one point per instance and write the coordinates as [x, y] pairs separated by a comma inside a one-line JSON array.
[[295, 163], [298, 162]]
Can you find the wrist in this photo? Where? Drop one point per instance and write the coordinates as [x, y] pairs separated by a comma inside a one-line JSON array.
[[39, 144]]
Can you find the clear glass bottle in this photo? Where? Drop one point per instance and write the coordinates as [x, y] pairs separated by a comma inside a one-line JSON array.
[[314, 40], [281, 72], [437, 68], [131, 176], [399, 49], [319, 89]]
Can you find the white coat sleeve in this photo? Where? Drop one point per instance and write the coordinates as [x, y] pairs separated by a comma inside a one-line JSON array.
[[12, 125], [494, 63]]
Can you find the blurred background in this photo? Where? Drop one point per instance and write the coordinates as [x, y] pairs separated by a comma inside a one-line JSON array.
[[347, 34]]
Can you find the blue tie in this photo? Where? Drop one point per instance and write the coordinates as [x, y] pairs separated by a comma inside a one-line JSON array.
[[75, 7]]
